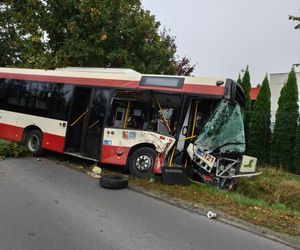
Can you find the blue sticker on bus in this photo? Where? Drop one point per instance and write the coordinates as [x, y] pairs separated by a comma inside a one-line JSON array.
[[107, 142], [132, 135]]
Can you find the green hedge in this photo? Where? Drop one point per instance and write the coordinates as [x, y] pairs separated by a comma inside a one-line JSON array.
[[11, 149]]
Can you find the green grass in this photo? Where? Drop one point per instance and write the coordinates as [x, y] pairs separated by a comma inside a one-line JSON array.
[[274, 186]]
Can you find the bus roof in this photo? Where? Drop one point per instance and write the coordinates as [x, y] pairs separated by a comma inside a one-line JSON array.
[[118, 78]]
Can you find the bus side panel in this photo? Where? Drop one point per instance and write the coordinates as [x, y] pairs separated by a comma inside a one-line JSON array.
[[13, 124], [10, 132], [114, 155], [53, 142]]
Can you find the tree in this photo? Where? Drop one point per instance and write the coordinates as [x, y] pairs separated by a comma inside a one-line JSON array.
[[284, 136], [297, 19], [246, 85], [296, 165], [183, 66], [92, 33], [9, 39], [259, 134], [239, 80]]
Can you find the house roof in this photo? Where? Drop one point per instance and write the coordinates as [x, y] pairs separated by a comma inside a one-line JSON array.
[[254, 93]]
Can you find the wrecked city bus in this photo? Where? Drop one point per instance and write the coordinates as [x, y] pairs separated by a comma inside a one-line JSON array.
[[124, 118]]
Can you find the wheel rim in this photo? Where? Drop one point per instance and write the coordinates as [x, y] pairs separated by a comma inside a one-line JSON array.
[[143, 163], [33, 143]]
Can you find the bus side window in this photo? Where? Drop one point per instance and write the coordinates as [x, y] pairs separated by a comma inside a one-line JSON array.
[[3, 91], [61, 98]]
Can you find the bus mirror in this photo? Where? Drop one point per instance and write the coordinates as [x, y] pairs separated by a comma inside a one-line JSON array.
[[219, 83], [184, 130], [230, 90]]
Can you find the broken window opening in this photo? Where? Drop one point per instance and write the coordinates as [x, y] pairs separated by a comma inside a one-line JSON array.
[[165, 112], [129, 110], [138, 110]]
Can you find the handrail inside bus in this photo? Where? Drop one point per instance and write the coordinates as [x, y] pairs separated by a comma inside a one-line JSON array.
[[127, 115], [163, 115], [78, 119], [186, 138], [94, 124]]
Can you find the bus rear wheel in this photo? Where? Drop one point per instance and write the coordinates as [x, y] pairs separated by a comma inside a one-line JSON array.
[[34, 142], [142, 161]]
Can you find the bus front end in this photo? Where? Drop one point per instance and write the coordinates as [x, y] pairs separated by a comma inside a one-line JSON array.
[[217, 154]]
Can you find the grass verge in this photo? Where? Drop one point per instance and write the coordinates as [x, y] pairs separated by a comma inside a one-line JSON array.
[[265, 201], [274, 186]]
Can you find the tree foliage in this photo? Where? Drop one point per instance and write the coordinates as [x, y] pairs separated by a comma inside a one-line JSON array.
[[239, 80], [246, 85], [259, 134], [9, 38], [90, 33], [296, 165], [183, 66], [284, 136], [296, 19]]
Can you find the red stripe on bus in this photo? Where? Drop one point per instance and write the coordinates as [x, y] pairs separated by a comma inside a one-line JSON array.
[[203, 89], [73, 80], [11, 133], [114, 155], [53, 142], [191, 88]]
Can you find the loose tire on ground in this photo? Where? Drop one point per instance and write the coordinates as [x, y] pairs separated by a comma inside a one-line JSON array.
[[142, 161], [34, 142], [113, 181]]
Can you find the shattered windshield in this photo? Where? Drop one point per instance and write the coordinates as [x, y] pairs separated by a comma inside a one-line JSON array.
[[224, 130]]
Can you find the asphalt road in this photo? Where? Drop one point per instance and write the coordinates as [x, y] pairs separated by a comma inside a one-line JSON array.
[[44, 205]]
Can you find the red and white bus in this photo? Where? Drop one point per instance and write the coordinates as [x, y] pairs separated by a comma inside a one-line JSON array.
[[112, 116]]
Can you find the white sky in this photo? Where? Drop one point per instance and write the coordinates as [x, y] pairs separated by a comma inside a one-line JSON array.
[[223, 36]]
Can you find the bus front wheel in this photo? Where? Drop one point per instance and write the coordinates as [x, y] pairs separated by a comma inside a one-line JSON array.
[[142, 161], [34, 142]]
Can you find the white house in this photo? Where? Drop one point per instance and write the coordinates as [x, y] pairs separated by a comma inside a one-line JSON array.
[[277, 81]]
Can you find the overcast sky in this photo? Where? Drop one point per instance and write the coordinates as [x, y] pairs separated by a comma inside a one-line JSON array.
[[223, 36]]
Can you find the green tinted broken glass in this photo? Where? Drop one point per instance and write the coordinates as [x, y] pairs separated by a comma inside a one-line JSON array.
[[224, 130]]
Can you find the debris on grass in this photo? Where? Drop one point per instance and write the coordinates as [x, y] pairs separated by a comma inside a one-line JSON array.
[[96, 170], [211, 215], [93, 175]]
